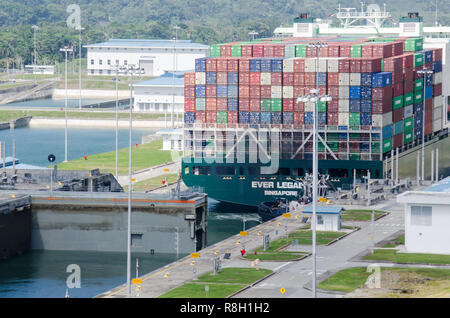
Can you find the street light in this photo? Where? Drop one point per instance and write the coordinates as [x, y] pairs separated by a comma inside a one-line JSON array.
[[176, 28], [35, 27], [130, 69], [117, 68], [65, 49], [253, 33], [424, 71], [79, 67]]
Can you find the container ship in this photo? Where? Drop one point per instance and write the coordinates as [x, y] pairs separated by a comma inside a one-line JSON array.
[[248, 137]]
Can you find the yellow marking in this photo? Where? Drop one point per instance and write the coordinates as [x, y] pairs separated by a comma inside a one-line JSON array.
[[282, 290], [166, 275], [136, 281], [243, 233], [195, 255], [166, 170], [286, 215]]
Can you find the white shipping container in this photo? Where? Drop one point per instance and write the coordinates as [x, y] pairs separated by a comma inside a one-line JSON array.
[[323, 65], [309, 106], [355, 79], [288, 91], [344, 79], [343, 105], [343, 119], [310, 65], [387, 119], [333, 65], [408, 111], [377, 120], [277, 92], [344, 91], [266, 78], [437, 125], [437, 78], [437, 101], [288, 65], [200, 78], [437, 113]]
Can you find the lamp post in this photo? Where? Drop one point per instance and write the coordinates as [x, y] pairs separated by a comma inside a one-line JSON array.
[[176, 28], [117, 68], [424, 71], [65, 49], [79, 66], [35, 27]]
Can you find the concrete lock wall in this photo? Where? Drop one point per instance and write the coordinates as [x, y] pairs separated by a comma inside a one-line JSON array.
[[101, 229]]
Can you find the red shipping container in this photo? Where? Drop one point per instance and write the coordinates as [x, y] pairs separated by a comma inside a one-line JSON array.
[[268, 50], [211, 103], [299, 106], [437, 90], [322, 89], [258, 50], [437, 54], [232, 65], [382, 93], [408, 74], [222, 78], [244, 104], [244, 91], [397, 140], [299, 65], [266, 91], [211, 90], [222, 65], [407, 60], [200, 116], [333, 106], [308, 89], [299, 91], [189, 105], [323, 52], [428, 105], [211, 117], [278, 50], [382, 50], [428, 66], [393, 64], [276, 79], [246, 50], [333, 50], [367, 50], [232, 117], [355, 65], [397, 48], [189, 92], [397, 114], [255, 104], [371, 65], [288, 79], [255, 78], [244, 65], [299, 118], [225, 50], [397, 77], [255, 91], [345, 51], [311, 51], [222, 103], [189, 79], [333, 91], [299, 78], [310, 79], [333, 79], [288, 104], [344, 66], [211, 65], [428, 129], [408, 86], [332, 118], [244, 78], [379, 107], [397, 89]]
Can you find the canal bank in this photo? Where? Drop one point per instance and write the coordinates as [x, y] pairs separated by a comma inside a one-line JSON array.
[[107, 123]]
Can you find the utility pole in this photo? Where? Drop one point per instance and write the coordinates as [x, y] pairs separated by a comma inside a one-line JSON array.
[[176, 27], [65, 49], [79, 67], [35, 27]]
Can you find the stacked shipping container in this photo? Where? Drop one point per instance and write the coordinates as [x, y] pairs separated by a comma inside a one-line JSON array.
[[372, 84]]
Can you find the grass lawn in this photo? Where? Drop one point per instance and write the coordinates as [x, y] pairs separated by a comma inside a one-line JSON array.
[[143, 156], [410, 258], [276, 256], [6, 115], [225, 283], [400, 240], [360, 215], [152, 183], [423, 281]]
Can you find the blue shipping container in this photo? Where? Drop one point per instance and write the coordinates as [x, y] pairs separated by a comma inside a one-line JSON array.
[[288, 118], [265, 118], [200, 65], [232, 104], [418, 108], [232, 91], [355, 92], [366, 107], [366, 92], [211, 78], [200, 91], [381, 79], [322, 118], [366, 79], [428, 79], [233, 78], [321, 79], [266, 65], [255, 65], [428, 92], [354, 105], [309, 118], [222, 91], [387, 131], [437, 66], [366, 119], [427, 56], [254, 118], [277, 65], [189, 117], [276, 118], [244, 117]]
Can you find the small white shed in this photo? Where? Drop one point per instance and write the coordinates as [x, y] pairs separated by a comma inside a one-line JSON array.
[[328, 217]]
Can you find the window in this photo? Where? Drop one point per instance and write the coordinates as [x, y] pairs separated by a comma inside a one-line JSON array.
[[117, 62], [109, 62], [338, 172], [297, 172], [109, 72], [202, 170], [224, 170], [100, 62], [421, 215], [125, 62], [92, 62], [100, 72], [284, 171], [319, 219], [186, 170], [136, 239], [92, 71]]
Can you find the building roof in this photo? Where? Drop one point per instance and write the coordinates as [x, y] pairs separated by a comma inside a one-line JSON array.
[[324, 209], [165, 80], [441, 186], [144, 43], [438, 193]]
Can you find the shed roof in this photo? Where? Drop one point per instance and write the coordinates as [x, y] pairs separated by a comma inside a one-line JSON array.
[[441, 186], [324, 209], [146, 43]]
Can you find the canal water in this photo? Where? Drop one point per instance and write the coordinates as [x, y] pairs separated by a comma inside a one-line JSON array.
[[43, 273], [51, 102]]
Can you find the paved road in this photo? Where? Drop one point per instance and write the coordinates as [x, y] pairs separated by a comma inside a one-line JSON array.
[[151, 173]]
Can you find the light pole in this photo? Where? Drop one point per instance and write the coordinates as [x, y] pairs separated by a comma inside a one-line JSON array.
[[117, 68], [35, 27], [65, 49], [176, 28], [79, 67], [253, 33], [424, 71]]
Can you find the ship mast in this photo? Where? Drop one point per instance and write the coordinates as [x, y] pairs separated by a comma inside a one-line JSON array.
[[373, 16]]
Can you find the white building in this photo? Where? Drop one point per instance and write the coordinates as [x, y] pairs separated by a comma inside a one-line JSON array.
[[328, 217], [154, 57], [427, 219], [158, 95], [172, 138], [40, 69]]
